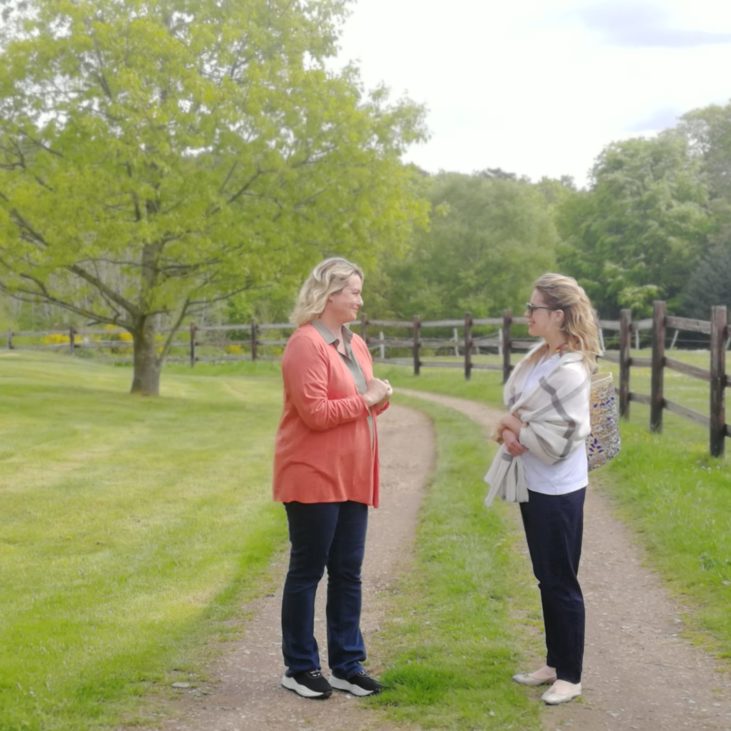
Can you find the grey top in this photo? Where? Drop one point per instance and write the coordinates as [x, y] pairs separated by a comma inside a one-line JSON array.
[[349, 359]]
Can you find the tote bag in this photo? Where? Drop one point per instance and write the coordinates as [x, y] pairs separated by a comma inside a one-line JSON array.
[[603, 443]]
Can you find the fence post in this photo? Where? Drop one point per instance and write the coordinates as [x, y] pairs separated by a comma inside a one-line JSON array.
[[657, 399], [364, 328], [719, 333], [468, 322], [417, 345], [625, 360], [507, 343], [72, 339], [192, 335], [10, 340], [254, 340]]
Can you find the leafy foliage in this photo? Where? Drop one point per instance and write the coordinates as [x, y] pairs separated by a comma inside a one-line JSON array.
[[633, 237], [710, 283], [490, 236], [708, 131]]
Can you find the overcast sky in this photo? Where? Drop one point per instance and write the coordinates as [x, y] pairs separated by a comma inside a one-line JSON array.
[[540, 87]]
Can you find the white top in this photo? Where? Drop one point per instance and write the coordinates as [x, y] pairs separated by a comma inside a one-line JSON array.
[[568, 475]]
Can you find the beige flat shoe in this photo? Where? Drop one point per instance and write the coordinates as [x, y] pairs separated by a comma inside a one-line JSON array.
[[561, 692], [543, 676]]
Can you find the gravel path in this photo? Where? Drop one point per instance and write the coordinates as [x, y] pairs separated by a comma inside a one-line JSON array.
[[640, 674]]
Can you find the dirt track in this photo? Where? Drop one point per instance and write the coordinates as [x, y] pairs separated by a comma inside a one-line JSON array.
[[244, 692], [640, 674]]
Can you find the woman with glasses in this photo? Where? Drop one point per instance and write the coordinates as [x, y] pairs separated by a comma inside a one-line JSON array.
[[542, 464], [326, 474]]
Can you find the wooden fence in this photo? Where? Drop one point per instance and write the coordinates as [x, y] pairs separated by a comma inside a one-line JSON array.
[[716, 375], [418, 343]]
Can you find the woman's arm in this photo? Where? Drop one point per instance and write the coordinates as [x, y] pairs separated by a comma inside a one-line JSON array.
[[306, 374], [556, 418], [510, 422]]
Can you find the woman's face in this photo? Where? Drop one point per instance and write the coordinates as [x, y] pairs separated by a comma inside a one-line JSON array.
[[343, 306], [543, 322]]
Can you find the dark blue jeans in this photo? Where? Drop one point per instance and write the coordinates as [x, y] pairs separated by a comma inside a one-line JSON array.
[[554, 528], [332, 536]]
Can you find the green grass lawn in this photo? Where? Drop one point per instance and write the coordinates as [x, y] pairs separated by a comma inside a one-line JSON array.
[[133, 529]]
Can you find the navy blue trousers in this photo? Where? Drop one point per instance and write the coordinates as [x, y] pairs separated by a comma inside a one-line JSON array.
[[553, 528], [332, 536]]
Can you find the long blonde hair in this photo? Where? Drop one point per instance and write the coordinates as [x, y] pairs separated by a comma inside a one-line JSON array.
[[328, 277], [579, 322]]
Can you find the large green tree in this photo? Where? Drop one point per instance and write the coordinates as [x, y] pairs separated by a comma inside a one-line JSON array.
[[159, 156], [641, 227]]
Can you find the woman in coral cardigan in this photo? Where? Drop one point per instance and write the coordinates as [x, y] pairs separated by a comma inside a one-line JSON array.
[[326, 474]]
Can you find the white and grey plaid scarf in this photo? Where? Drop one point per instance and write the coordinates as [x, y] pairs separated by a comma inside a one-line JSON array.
[[555, 416]]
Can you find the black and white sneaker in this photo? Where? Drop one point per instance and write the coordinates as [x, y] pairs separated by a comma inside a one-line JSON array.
[[309, 684], [358, 684]]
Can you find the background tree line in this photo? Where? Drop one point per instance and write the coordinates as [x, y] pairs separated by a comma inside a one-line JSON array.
[[174, 160], [654, 223]]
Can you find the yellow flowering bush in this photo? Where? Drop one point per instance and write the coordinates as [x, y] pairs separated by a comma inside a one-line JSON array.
[[56, 339]]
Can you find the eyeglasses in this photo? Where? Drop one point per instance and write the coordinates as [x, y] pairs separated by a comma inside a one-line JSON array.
[[530, 308]]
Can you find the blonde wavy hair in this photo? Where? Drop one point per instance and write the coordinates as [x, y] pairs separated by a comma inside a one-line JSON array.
[[580, 323], [328, 277]]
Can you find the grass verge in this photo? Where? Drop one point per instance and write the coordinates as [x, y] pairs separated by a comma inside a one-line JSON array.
[[451, 644]]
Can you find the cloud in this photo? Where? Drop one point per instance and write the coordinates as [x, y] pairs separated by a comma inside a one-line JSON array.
[[645, 25]]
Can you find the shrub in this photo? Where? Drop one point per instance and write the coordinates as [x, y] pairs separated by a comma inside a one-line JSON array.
[[56, 339]]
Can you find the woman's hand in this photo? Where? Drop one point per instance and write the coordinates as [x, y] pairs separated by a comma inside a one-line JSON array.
[[378, 392], [511, 422], [508, 429], [510, 440]]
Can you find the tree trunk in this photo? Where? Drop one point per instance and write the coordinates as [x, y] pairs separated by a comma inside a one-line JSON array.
[[147, 366]]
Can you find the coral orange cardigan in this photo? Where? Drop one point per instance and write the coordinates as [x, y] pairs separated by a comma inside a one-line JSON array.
[[324, 452]]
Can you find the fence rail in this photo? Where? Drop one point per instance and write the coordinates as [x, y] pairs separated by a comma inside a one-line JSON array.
[[405, 342], [716, 375]]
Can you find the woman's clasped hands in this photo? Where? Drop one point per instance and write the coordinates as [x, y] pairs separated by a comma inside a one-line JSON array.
[[509, 429], [514, 447], [378, 392]]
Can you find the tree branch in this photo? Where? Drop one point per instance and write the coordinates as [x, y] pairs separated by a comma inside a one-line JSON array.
[[104, 289], [173, 331], [41, 291]]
